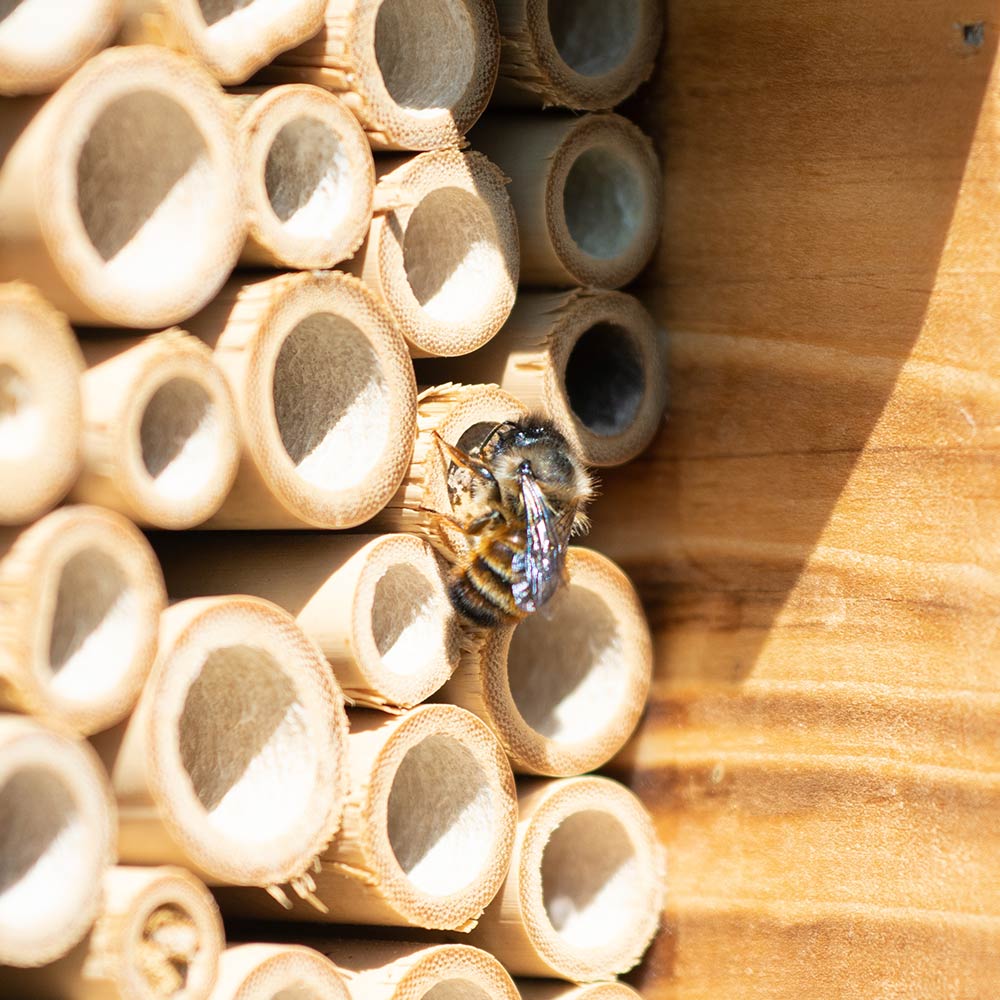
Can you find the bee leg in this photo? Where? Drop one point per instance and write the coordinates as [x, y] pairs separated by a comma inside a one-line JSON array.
[[464, 461]]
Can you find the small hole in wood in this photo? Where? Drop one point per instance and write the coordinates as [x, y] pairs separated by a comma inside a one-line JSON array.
[[974, 34]]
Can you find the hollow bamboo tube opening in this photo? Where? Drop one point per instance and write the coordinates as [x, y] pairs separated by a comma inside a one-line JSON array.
[[117, 197], [308, 177], [160, 437], [594, 362], [547, 989], [82, 592], [40, 367], [232, 38], [374, 53], [325, 395], [56, 840], [586, 884], [427, 828], [277, 972], [563, 692], [377, 607], [587, 193], [444, 258], [582, 54], [41, 44], [233, 761]]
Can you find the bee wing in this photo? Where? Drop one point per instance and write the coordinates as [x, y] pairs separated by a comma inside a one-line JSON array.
[[545, 550]]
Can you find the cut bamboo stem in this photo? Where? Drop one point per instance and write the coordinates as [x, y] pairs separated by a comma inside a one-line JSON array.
[[586, 884], [57, 837], [582, 54], [233, 762], [117, 197], [160, 441], [277, 972], [40, 408], [41, 44], [308, 177], [80, 595], [233, 38], [547, 989], [325, 396], [587, 193], [442, 250], [377, 606], [427, 830], [595, 363], [563, 691], [417, 73], [158, 937]]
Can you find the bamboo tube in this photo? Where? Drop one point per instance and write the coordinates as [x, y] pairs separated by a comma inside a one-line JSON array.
[[461, 415], [586, 884], [442, 256], [42, 43], [308, 177], [377, 606], [417, 73], [427, 830], [325, 396], [547, 989], [116, 193], [158, 937], [594, 362], [233, 762], [80, 593], [40, 408], [160, 440], [582, 54], [587, 193], [562, 691], [277, 972], [232, 38], [56, 839]]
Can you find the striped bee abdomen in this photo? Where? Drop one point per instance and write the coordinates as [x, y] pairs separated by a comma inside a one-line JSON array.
[[481, 589]]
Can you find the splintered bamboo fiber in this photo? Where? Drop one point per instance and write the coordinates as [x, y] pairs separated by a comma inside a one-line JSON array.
[[594, 362], [586, 884], [325, 396], [80, 595], [42, 43], [40, 367], [442, 250], [417, 73], [277, 972], [586, 191], [562, 691], [462, 415], [308, 177], [427, 831], [547, 989], [233, 38], [233, 763], [57, 837], [158, 936], [377, 606], [160, 438], [582, 54], [117, 193]]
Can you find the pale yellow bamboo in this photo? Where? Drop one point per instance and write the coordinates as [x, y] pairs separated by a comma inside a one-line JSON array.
[[43, 41], [232, 38], [158, 937], [80, 595], [548, 989], [586, 884], [582, 54], [277, 972], [233, 763], [57, 838], [40, 367], [160, 441], [427, 830], [325, 396], [377, 606], [417, 73]]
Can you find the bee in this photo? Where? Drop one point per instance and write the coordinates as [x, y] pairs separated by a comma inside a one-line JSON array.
[[524, 492]]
